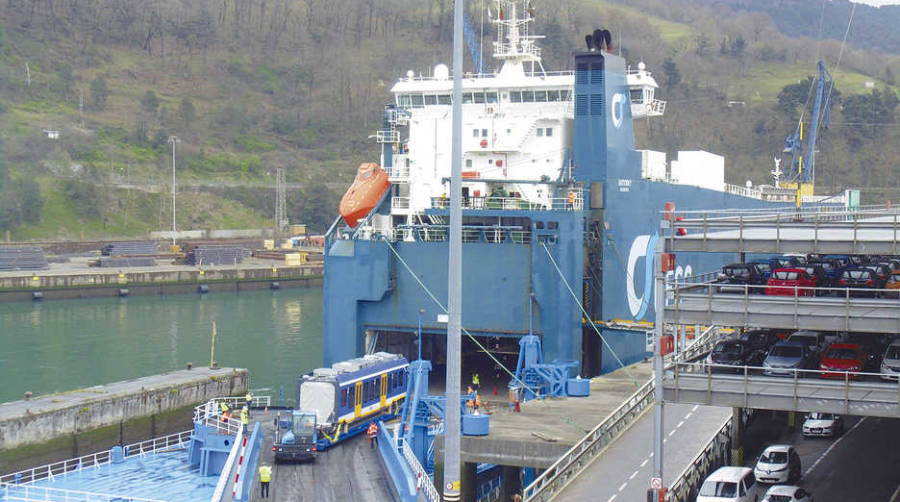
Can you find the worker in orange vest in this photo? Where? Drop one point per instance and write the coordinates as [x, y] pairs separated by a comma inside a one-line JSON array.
[[372, 434]]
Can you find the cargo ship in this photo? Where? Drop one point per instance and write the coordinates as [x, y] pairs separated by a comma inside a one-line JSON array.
[[560, 211]]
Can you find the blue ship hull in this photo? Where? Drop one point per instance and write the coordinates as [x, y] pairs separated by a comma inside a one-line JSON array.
[[597, 255]]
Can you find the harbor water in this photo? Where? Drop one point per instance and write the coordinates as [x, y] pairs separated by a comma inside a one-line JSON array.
[[55, 346]]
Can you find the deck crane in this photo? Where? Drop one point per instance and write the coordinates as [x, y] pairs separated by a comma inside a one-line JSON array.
[[802, 174], [472, 43]]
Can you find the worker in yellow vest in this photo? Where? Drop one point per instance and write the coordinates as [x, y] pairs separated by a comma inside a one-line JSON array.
[[249, 400], [265, 475], [245, 418]]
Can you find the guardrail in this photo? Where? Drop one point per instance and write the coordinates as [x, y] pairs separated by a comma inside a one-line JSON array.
[[210, 414], [576, 203], [225, 476], [39, 493], [423, 481], [788, 389], [557, 476], [50, 471], [716, 453]]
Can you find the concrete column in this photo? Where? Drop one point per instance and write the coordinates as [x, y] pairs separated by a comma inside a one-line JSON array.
[[737, 437], [512, 483], [469, 475]]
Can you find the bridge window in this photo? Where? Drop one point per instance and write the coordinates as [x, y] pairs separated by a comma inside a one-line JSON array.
[[528, 96], [540, 96], [515, 96], [430, 99], [552, 95], [418, 101], [490, 97], [540, 132], [403, 100], [479, 97], [444, 99], [637, 95], [549, 132], [565, 95], [467, 97]]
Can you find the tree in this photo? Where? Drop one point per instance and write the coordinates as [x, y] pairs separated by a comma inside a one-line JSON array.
[[673, 74], [187, 112], [99, 93], [150, 102]]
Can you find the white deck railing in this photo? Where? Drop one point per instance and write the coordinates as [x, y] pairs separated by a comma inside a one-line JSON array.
[[422, 480], [42, 493]]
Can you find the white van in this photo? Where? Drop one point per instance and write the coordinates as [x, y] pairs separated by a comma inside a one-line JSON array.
[[890, 363], [733, 484]]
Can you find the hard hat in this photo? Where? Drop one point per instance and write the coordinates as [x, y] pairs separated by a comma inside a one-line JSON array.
[[244, 408]]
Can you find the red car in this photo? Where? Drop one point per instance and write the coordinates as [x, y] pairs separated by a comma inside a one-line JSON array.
[[840, 358], [791, 282]]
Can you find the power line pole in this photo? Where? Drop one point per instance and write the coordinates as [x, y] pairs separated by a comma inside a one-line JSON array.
[[173, 140], [280, 205], [454, 322]]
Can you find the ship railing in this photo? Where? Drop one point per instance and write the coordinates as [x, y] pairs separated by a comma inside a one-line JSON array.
[[40, 493], [398, 173], [210, 414], [785, 214], [399, 203], [472, 75], [440, 233], [387, 136], [94, 460], [575, 203], [423, 481]]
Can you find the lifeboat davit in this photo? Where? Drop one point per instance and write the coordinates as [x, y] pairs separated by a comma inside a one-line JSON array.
[[370, 184]]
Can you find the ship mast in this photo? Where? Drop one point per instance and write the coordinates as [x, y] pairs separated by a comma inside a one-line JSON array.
[[514, 46]]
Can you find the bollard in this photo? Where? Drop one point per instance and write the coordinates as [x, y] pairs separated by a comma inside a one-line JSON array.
[[517, 407]]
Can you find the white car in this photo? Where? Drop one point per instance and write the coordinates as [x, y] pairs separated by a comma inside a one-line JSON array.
[[778, 464], [823, 424], [734, 484], [890, 364], [787, 493]]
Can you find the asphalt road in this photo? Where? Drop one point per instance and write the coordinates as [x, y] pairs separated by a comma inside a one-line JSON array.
[[861, 465], [350, 471], [623, 471]]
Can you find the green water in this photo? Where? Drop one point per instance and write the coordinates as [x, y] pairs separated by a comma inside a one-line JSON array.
[[55, 346]]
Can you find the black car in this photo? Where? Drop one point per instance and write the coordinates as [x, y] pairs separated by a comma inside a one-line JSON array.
[[736, 278], [760, 339], [882, 271], [734, 353], [818, 273], [861, 281]]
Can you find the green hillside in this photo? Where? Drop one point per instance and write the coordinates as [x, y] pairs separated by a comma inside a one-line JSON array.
[[248, 86]]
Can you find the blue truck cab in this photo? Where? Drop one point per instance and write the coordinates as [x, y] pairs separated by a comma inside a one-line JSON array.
[[295, 436]]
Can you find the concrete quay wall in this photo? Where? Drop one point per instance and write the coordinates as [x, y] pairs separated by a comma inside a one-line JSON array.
[[59, 426]]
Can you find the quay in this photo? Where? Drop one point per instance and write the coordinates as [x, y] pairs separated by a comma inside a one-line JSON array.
[[75, 279], [54, 427]]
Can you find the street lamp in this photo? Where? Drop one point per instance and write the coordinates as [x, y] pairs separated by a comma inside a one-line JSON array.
[[173, 140]]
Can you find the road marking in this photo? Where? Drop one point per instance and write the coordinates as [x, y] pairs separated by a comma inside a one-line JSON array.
[[612, 498], [633, 474], [672, 433], [695, 407], [645, 462], [828, 450], [623, 486], [679, 424], [688, 415], [896, 496]]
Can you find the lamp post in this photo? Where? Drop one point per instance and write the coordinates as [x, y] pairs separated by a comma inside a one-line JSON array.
[[173, 140]]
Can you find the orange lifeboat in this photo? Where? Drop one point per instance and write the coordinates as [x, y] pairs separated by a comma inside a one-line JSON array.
[[370, 184]]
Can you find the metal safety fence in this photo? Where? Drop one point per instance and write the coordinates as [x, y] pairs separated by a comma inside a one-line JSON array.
[[715, 454], [33, 493]]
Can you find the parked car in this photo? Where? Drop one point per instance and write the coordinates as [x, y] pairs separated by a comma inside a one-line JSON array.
[[787, 493], [799, 259], [823, 281], [790, 282], [816, 341], [763, 268], [729, 483], [861, 281], [890, 363], [778, 463], [785, 262], [760, 339], [735, 353], [842, 359], [823, 424], [882, 272], [736, 278], [785, 357], [833, 269]]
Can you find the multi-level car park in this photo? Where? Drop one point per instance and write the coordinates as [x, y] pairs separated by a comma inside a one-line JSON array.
[[814, 298]]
